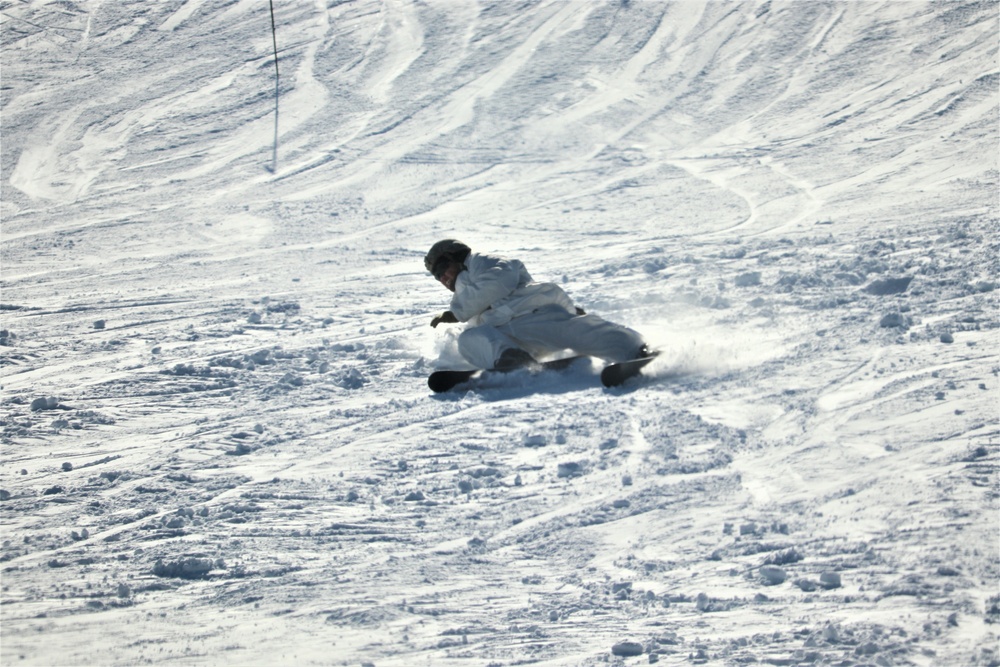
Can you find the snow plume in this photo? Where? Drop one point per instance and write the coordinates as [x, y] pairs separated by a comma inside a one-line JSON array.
[[443, 348], [718, 351]]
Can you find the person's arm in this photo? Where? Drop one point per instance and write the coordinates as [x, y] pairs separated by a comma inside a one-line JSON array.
[[486, 281]]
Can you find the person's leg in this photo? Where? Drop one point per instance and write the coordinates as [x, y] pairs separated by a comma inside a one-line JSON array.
[[485, 347], [553, 329]]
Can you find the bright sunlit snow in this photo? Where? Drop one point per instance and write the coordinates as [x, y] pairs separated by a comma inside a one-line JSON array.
[[219, 447]]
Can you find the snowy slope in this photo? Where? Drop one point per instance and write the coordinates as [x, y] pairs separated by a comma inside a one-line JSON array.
[[218, 443]]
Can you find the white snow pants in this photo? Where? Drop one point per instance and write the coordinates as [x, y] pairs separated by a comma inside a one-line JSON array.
[[548, 330]]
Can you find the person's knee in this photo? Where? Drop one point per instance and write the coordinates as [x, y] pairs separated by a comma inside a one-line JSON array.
[[468, 342], [476, 348]]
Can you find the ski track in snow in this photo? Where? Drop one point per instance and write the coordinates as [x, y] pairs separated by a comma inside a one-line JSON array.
[[218, 443]]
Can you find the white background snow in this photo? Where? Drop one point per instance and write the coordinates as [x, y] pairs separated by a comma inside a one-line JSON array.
[[218, 442]]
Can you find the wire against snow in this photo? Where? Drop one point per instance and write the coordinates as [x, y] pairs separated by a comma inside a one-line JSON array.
[[274, 40]]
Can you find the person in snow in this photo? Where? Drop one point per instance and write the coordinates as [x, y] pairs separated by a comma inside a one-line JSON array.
[[513, 320]]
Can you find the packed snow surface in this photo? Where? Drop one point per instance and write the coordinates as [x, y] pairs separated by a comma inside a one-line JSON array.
[[218, 442]]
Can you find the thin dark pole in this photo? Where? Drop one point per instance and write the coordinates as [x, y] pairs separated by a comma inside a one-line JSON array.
[[274, 39]]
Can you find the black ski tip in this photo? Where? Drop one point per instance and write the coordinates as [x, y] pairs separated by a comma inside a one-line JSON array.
[[442, 381], [616, 375], [437, 385]]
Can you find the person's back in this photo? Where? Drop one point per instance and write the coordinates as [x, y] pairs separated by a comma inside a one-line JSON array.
[[494, 290]]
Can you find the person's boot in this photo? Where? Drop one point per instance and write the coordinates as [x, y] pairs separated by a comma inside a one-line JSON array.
[[512, 359]]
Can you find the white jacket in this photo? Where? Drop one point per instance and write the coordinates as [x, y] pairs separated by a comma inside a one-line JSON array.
[[493, 291]]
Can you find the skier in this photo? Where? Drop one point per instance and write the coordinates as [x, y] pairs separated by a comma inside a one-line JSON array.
[[514, 320]]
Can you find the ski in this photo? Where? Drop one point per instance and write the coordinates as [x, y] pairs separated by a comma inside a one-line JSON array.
[[442, 381], [446, 380], [617, 374]]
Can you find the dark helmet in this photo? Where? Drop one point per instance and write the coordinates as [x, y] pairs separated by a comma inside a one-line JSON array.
[[450, 248]]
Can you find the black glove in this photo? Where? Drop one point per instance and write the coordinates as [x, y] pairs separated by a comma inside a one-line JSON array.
[[447, 317]]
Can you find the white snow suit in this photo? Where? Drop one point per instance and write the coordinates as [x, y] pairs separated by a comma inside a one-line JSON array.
[[507, 309]]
